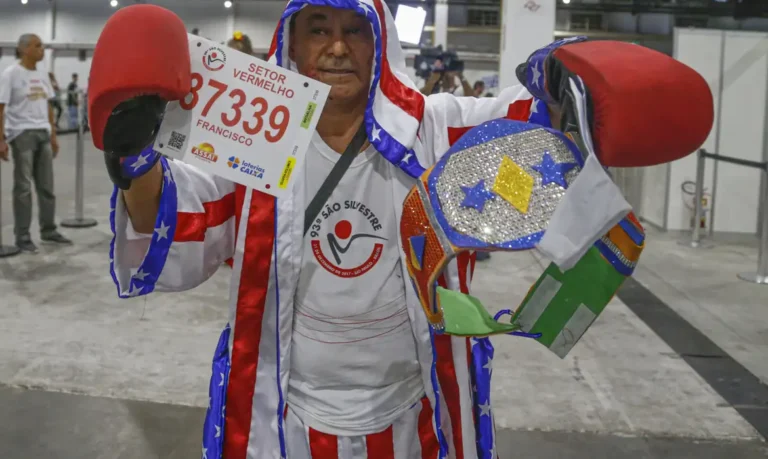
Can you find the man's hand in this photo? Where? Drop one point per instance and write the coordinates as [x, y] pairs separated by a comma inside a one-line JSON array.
[[555, 115], [4, 150], [55, 145], [429, 86], [543, 75]]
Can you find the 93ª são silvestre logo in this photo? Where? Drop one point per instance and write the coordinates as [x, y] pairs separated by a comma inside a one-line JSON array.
[[352, 246], [214, 59]]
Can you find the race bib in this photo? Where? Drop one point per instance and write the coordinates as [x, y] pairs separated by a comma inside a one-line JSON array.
[[246, 120]]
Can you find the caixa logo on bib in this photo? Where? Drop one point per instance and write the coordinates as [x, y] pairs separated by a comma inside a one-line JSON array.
[[351, 247], [245, 167], [214, 59]]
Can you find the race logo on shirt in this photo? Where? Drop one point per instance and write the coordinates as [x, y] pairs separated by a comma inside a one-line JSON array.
[[347, 249]]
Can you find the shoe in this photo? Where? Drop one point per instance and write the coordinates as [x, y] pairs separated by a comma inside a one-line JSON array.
[[26, 246], [56, 237]]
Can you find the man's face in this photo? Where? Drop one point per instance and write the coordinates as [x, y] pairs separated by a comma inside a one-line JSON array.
[[479, 88], [34, 50], [334, 46]]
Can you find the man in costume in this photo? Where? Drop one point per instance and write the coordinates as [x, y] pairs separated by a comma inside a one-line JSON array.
[[328, 353]]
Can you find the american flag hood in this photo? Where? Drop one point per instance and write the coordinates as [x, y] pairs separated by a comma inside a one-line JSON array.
[[395, 106]]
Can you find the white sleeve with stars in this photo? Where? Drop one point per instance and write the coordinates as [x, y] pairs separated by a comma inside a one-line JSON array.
[[201, 236]]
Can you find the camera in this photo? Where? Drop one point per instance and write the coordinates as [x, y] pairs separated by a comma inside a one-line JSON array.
[[432, 60]]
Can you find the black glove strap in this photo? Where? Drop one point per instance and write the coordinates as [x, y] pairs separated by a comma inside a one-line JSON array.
[[131, 126], [333, 179]]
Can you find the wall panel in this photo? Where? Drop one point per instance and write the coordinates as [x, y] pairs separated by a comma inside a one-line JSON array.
[[699, 49], [742, 129]]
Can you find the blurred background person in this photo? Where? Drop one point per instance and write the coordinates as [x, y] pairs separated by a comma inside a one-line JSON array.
[[241, 42], [27, 118], [56, 99], [72, 90], [478, 88], [84, 91]]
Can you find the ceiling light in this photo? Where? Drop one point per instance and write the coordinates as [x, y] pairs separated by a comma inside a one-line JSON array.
[[566, 1], [23, 2], [113, 3], [228, 4]]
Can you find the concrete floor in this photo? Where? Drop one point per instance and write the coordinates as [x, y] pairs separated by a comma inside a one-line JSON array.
[[65, 426], [622, 392]]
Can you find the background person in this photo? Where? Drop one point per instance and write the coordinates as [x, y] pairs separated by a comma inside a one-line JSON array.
[[72, 102], [241, 42], [478, 88], [56, 99], [30, 130]]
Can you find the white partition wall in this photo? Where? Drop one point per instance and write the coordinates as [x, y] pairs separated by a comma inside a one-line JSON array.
[[742, 127], [653, 199], [735, 65], [702, 51]]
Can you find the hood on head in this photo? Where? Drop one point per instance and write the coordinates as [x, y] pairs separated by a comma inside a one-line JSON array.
[[395, 106]]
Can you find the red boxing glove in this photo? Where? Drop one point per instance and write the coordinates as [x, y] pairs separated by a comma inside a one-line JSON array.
[[643, 107], [142, 51]]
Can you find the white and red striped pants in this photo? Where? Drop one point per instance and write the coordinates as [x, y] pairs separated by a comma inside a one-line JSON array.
[[410, 437]]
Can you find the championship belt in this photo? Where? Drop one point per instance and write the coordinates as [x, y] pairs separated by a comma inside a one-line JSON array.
[[508, 185], [496, 190]]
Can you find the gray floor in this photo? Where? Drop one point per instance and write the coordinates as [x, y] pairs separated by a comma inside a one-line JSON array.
[[87, 375], [66, 426]]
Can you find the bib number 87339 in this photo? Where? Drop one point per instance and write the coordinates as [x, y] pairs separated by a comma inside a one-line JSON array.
[[279, 116]]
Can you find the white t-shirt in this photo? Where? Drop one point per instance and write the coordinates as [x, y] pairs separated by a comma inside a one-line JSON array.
[[25, 94], [354, 368]]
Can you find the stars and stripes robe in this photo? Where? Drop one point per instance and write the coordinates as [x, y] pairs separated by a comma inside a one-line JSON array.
[[205, 221]]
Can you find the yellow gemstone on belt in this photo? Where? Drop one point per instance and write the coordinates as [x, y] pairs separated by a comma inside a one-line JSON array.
[[514, 184]]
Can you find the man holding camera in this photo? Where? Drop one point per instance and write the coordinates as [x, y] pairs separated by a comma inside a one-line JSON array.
[[443, 79]]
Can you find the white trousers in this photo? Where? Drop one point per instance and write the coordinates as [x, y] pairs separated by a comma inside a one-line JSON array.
[[411, 436]]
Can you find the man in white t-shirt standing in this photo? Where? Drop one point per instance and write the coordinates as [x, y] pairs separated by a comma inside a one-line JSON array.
[[29, 130]]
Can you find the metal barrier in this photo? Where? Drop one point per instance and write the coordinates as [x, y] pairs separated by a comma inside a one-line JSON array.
[[695, 241], [79, 221], [5, 250], [761, 275]]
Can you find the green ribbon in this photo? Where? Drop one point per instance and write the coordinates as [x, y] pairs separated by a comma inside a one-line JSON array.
[[464, 315]]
